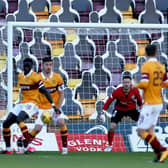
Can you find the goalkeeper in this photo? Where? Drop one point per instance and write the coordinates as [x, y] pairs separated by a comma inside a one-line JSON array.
[[30, 85], [54, 84], [127, 99]]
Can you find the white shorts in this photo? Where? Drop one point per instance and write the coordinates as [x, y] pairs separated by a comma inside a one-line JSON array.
[[55, 117], [30, 108], [149, 116]]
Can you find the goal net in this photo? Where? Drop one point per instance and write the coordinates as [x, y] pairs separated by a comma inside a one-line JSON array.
[[90, 58]]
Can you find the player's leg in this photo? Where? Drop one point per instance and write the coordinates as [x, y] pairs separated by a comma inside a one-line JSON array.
[[11, 119], [146, 124], [64, 133], [23, 127], [116, 117]]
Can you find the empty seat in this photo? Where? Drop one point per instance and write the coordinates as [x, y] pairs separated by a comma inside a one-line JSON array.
[[110, 14], [99, 36], [126, 46], [71, 62], [3, 9], [87, 93], [3, 52], [57, 68], [83, 7], [41, 8], [115, 62], [17, 34], [39, 47], [71, 107], [101, 76], [85, 49], [151, 14], [56, 37], [23, 13], [137, 71]]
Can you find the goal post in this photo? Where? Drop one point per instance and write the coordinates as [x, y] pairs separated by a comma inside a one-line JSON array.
[[90, 58]]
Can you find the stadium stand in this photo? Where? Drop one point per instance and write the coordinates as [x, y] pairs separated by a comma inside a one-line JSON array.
[[3, 9], [151, 14], [110, 14], [71, 107], [23, 13], [57, 68], [101, 76], [56, 37], [83, 7], [114, 62], [41, 8]]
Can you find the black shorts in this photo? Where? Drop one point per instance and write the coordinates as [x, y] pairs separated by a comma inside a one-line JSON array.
[[118, 115]]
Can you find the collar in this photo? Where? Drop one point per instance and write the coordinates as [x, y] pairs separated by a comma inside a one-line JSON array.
[[44, 77], [28, 73], [152, 59]]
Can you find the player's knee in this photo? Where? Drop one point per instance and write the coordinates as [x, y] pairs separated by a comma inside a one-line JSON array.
[[11, 119], [139, 132], [112, 127], [60, 122], [22, 117], [38, 128]]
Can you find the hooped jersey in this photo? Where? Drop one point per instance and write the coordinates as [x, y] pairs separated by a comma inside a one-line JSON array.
[[53, 84], [153, 75], [29, 86]]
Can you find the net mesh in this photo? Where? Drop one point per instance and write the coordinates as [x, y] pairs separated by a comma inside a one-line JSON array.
[[90, 61]]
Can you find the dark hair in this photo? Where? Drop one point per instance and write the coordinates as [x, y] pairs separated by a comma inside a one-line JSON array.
[[151, 50], [28, 60], [127, 74], [47, 59]]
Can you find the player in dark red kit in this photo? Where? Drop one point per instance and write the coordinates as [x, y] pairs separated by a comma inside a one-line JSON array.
[[127, 101]]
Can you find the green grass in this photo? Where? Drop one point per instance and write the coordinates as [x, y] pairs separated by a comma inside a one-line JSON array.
[[81, 160]]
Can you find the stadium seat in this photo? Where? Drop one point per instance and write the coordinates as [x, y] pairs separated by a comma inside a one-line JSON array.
[[142, 38], [23, 13], [85, 49], [161, 56], [71, 107], [129, 51], [127, 8], [55, 6], [3, 99], [57, 68], [83, 7], [56, 37], [87, 93], [109, 91], [39, 47], [25, 53], [3, 9], [114, 61], [3, 52], [99, 36], [137, 72], [70, 62], [41, 8], [101, 76], [110, 14], [12, 6], [151, 14]]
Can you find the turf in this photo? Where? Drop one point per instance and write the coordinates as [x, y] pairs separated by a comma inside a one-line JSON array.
[[81, 160]]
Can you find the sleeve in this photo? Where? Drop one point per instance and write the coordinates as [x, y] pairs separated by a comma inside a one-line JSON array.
[[38, 80], [60, 83], [139, 98], [109, 101], [144, 78]]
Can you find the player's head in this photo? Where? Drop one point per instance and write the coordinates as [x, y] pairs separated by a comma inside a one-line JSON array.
[[47, 65], [151, 50], [27, 65], [126, 80]]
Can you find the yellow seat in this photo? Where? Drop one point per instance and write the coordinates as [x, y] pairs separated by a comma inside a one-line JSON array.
[[88, 107], [130, 66], [141, 46], [73, 82], [2, 113], [2, 62], [55, 8], [71, 35]]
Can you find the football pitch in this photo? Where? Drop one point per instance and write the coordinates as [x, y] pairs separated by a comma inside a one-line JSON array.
[[81, 160]]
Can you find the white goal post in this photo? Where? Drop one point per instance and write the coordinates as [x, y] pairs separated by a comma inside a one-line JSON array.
[[100, 40]]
